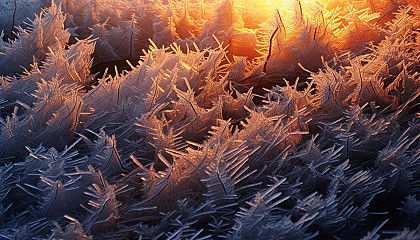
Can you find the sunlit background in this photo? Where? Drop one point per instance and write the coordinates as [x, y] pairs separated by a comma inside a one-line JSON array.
[[218, 119]]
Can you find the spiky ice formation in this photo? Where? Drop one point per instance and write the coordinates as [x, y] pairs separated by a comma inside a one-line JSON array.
[[230, 120]]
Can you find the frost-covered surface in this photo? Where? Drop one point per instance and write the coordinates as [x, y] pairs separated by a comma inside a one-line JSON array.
[[237, 121], [22, 10]]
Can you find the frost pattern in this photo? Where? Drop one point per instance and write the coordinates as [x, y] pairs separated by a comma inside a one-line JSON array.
[[171, 120]]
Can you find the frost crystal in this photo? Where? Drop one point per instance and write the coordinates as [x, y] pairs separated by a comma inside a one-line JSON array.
[[221, 119]]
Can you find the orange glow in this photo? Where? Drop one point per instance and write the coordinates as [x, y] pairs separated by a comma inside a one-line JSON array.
[[303, 31]]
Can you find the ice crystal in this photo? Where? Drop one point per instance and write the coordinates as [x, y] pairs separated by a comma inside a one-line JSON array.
[[222, 119]]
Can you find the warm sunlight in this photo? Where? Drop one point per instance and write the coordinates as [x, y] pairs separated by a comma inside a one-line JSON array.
[[209, 119]]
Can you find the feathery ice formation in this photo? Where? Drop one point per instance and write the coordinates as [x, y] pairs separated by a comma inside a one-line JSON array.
[[220, 119]]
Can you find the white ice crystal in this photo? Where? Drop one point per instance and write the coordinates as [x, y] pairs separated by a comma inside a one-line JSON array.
[[221, 119]]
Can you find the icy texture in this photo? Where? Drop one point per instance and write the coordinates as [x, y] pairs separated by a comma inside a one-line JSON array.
[[221, 120]]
